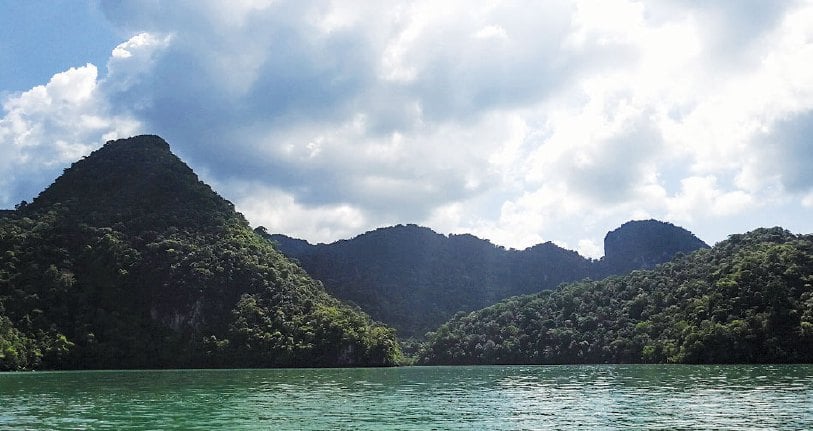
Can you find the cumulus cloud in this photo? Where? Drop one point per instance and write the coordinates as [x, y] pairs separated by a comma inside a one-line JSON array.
[[270, 206], [133, 60], [702, 197], [50, 126], [518, 121]]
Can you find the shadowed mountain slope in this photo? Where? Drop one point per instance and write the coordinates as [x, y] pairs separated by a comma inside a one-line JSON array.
[[415, 279], [128, 260]]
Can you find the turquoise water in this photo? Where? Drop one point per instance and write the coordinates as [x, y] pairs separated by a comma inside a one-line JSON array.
[[414, 398]]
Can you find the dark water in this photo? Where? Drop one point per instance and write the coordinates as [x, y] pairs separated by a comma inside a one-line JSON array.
[[415, 398]]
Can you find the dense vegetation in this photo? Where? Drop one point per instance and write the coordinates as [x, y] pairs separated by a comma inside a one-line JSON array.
[[415, 279], [129, 261], [748, 299]]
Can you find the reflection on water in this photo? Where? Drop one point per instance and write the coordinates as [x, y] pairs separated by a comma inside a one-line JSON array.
[[415, 398]]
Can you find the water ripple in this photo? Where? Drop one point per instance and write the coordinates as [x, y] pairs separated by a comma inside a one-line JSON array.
[[415, 398]]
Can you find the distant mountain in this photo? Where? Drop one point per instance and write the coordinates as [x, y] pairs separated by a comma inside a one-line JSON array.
[[747, 300], [128, 260], [407, 275], [415, 279], [645, 244]]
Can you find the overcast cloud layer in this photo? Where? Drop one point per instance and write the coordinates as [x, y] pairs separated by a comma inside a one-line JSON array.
[[520, 122]]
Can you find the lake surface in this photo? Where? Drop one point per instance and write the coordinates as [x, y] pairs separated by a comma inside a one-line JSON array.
[[415, 398]]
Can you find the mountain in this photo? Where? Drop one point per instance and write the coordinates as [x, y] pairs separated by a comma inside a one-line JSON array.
[[128, 260], [409, 276], [747, 300], [415, 279], [643, 244]]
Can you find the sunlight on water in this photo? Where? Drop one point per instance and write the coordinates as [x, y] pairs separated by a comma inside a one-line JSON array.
[[415, 398]]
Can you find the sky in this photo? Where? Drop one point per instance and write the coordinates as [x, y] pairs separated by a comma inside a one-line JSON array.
[[517, 121]]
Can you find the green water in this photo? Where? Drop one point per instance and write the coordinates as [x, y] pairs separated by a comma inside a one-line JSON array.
[[414, 398]]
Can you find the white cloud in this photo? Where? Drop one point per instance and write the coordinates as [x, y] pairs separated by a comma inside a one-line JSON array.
[[129, 63], [702, 197], [589, 248], [491, 32], [518, 121], [50, 126], [281, 213], [807, 200]]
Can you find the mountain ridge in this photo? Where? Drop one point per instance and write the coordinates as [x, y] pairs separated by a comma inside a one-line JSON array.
[[414, 278], [748, 299], [287, 241]]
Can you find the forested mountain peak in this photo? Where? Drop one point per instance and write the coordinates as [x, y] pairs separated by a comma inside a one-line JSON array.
[[748, 299], [129, 180], [414, 278], [643, 244], [129, 260]]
